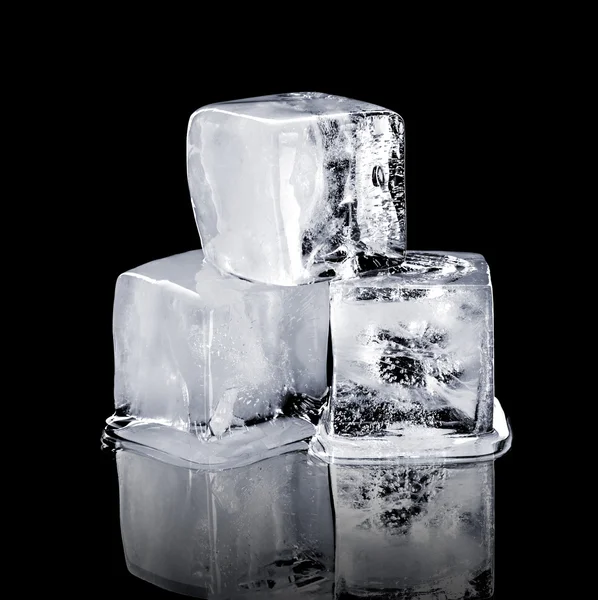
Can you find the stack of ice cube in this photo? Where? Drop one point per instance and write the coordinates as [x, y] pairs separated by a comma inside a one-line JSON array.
[[299, 200]]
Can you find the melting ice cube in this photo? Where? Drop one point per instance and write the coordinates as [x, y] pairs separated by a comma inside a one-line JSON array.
[[203, 351], [293, 188], [413, 351]]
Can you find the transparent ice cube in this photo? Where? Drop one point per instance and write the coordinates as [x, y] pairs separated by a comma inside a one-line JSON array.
[[205, 352], [413, 354], [414, 531], [260, 531], [293, 188]]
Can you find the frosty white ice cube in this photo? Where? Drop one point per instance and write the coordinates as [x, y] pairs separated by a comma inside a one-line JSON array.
[[293, 188], [199, 350], [413, 355]]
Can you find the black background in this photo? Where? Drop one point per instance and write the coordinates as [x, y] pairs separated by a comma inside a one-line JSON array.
[[465, 152]]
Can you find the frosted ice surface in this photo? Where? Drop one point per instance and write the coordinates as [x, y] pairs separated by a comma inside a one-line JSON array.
[[293, 188], [413, 350], [205, 352], [414, 531], [260, 531]]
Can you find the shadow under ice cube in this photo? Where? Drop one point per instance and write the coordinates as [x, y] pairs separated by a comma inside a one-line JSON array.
[[413, 353], [205, 352], [292, 188]]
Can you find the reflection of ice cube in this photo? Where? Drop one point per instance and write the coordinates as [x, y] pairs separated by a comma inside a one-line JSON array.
[[203, 351], [422, 531], [263, 530], [413, 351], [286, 187]]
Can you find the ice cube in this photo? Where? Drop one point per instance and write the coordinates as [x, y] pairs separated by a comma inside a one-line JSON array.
[[203, 351], [293, 188], [253, 532], [413, 354], [414, 531]]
